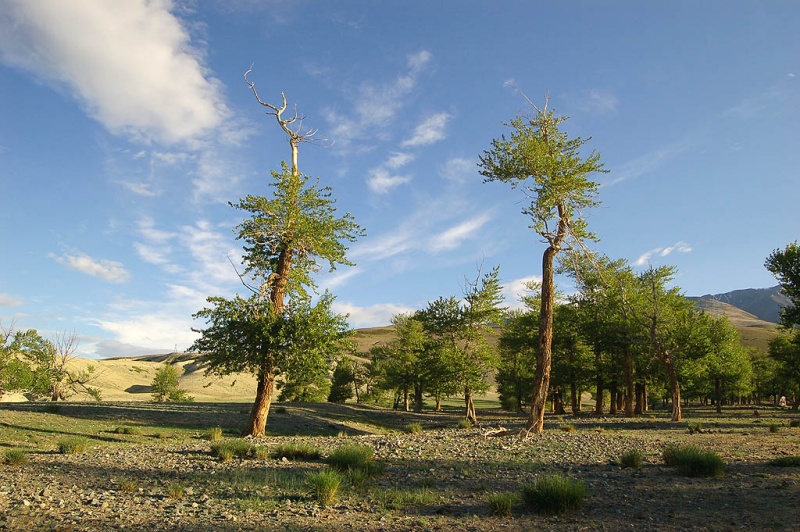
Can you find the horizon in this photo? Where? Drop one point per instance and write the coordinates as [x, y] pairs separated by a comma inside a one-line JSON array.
[[126, 131]]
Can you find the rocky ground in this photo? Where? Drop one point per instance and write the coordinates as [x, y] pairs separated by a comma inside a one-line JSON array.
[[435, 480]]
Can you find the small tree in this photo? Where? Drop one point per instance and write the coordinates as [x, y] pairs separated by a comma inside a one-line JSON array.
[[165, 386], [342, 382], [547, 164]]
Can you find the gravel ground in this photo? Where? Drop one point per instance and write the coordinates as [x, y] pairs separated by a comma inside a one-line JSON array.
[[449, 473]]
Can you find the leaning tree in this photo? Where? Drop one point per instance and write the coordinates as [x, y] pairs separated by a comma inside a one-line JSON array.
[[287, 237], [547, 165]]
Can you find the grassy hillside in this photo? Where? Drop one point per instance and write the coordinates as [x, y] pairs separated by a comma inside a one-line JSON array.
[[754, 332]]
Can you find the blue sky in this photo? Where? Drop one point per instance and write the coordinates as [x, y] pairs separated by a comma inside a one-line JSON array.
[[126, 127]]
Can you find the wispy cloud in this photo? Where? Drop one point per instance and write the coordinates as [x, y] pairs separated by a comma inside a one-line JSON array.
[[10, 301], [513, 291], [381, 181], [458, 169], [597, 101], [107, 270], [137, 74], [649, 162], [452, 237], [429, 131], [376, 105], [678, 247]]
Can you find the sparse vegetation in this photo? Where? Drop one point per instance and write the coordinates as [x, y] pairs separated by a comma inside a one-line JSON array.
[[632, 459], [296, 451], [73, 445], [128, 485], [324, 485], [786, 461], [214, 434], [553, 494], [774, 427], [15, 457], [353, 457], [413, 428], [567, 427], [226, 450], [175, 490], [500, 504], [465, 424], [134, 431], [692, 461]]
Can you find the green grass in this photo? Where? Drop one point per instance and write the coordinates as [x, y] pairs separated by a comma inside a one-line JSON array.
[[465, 424], [632, 459], [324, 485], [15, 457], [227, 450], [402, 498], [413, 428], [786, 461], [73, 445], [500, 504], [693, 461], [133, 431], [175, 490], [214, 434], [296, 451], [553, 494]]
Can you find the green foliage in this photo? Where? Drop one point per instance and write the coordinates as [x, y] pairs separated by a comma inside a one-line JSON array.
[[15, 457], [518, 344], [324, 485], [342, 381], [296, 451], [632, 459], [165, 386], [553, 494], [784, 264], [73, 445], [692, 461], [25, 361], [500, 504], [413, 428]]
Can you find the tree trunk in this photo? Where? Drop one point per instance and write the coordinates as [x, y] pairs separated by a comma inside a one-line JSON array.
[[675, 388], [717, 398], [406, 402], [257, 424], [612, 408], [470, 414], [598, 401], [629, 389], [576, 404], [417, 398], [438, 407], [544, 357]]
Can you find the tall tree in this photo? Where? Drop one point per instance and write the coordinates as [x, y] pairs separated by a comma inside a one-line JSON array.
[[548, 166], [784, 264], [286, 239], [727, 362]]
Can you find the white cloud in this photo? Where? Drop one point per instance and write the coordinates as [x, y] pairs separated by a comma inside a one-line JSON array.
[[381, 182], [132, 65], [429, 131], [339, 278], [452, 237], [458, 169], [649, 162], [398, 160], [215, 177], [680, 247], [107, 270], [373, 316], [10, 301], [514, 291]]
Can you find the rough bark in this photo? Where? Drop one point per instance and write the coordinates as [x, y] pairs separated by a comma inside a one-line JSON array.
[[629, 388], [417, 398], [544, 357], [575, 402], [675, 388], [257, 424], [470, 406]]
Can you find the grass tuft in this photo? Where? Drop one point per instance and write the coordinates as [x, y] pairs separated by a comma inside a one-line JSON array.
[[413, 428], [693, 461], [786, 461], [774, 427], [402, 498], [296, 451], [214, 434], [175, 490], [465, 424], [632, 458], [794, 423], [324, 485], [133, 431], [226, 450], [553, 494], [73, 445], [128, 485], [15, 457], [500, 504], [567, 427]]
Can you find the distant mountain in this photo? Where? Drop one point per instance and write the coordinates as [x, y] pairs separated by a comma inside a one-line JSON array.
[[763, 303]]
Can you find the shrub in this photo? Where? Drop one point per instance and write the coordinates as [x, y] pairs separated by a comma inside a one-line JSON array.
[[786, 461], [413, 428], [774, 427], [794, 423], [353, 457], [324, 485], [693, 461], [553, 494], [73, 445], [465, 424], [165, 386], [214, 434], [296, 451], [695, 427], [567, 427], [15, 457], [500, 503], [632, 459]]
